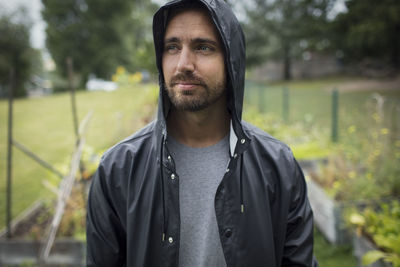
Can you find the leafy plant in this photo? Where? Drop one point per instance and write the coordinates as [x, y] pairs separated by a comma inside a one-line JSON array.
[[303, 137], [383, 227], [365, 165]]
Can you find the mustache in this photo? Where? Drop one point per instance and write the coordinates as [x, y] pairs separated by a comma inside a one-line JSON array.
[[188, 77]]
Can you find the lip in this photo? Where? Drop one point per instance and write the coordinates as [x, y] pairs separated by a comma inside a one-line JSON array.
[[186, 85]]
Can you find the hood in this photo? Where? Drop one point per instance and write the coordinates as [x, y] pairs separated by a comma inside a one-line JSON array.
[[234, 44]]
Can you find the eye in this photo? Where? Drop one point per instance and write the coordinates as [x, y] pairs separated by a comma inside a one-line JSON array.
[[171, 48], [204, 48]]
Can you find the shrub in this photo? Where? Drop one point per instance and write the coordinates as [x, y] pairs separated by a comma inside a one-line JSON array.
[[382, 226]]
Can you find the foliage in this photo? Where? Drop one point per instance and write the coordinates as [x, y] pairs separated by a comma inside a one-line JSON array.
[[303, 137], [368, 30], [73, 222], [99, 35], [282, 29], [332, 255], [365, 163], [15, 52], [124, 78], [383, 227]]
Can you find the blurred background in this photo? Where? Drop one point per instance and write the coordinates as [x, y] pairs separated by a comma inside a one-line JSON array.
[[322, 76]]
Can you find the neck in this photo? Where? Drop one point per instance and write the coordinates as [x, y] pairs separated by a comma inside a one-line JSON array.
[[200, 128]]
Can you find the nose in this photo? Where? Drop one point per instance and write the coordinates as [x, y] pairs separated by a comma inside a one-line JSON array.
[[186, 61]]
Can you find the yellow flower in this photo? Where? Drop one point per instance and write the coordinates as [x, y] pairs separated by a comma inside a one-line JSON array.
[[120, 70], [376, 117], [357, 219], [136, 77], [351, 129], [336, 185], [352, 174], [384, 131]]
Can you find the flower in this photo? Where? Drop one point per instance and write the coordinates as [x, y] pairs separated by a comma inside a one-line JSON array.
[[357, 219], [384, 131], [351, 129]]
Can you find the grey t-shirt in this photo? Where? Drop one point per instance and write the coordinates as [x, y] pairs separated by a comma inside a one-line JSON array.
[[200, 171]]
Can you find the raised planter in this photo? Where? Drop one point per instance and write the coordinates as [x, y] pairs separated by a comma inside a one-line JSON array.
[[25, 246], [327, 212], [362, 245], [65, 252]]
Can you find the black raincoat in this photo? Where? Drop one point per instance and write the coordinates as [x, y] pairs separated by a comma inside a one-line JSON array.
[[263, 214]]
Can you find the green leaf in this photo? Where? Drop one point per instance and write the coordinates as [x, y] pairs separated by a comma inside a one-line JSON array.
[[372, 256]]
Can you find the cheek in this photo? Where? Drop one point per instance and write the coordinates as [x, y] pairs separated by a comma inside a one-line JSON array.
[[218, 68], [166, 67]]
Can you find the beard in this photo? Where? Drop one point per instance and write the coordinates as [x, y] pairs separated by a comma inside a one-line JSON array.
[[194, 100]]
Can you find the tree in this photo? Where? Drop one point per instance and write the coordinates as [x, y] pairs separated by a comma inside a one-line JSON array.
[[369, 30], [280, 29], [15, 52], [99, 35], [67, 34]]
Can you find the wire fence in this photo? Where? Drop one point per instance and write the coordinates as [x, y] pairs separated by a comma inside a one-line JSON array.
[[327, 107]]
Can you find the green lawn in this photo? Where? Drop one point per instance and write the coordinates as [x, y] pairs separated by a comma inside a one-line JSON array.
[[330, 255], [45, 126]]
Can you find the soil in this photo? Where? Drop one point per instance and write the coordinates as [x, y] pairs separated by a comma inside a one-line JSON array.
[[33, 227], [38, 222]]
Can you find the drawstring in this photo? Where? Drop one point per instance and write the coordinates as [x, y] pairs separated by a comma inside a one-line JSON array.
[[241, 184], [162, 189]]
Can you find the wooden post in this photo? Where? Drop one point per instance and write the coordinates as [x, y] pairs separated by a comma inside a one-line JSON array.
[[9, 152], [65, 191], [70, 69]]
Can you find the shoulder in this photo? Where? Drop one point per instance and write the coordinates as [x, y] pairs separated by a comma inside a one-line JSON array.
[[131, 145], [264, 140]]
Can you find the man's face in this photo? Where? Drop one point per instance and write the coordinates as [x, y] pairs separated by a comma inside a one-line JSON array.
[[193, 61]]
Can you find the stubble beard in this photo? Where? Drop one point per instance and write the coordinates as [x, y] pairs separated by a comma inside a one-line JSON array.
[[194, 100]]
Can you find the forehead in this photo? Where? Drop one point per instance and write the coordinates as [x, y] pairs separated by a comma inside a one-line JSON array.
[[193, 22]]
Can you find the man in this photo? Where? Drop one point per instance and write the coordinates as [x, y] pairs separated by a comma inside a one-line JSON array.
[[199, 187]]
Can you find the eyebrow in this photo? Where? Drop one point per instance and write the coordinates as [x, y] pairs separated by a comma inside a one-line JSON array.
[[196, 40]]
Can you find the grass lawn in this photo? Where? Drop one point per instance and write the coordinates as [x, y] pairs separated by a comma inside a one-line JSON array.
[[330, 255], [45, 126]]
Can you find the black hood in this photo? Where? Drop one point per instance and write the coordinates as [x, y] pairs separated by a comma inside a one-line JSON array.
[[234, 44]]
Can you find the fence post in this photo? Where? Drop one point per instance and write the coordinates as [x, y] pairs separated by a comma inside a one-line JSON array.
[[261, 100], [9, 152], [285, 104], [335, 108]]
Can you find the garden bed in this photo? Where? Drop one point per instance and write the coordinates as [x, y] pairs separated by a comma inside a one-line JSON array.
[[327, 212], [28, 230]]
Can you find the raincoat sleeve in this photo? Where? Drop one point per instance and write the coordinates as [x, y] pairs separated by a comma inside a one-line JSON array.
[[299, 241], [104, 232]]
